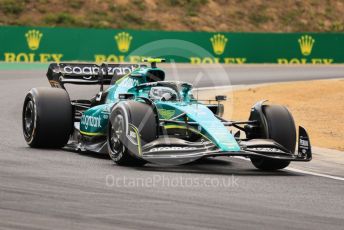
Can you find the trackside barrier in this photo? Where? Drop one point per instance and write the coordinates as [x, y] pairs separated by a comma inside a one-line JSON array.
[[38, 44]]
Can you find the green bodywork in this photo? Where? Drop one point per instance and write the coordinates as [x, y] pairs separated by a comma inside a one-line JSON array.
[[95, 120]]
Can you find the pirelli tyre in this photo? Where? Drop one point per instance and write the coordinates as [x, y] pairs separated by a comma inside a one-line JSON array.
[[47, 118], [281, 128], [132, 124]]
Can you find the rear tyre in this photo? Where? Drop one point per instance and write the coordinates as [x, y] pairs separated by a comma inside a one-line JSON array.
[[47, 118], [281, 128], [124, 114]]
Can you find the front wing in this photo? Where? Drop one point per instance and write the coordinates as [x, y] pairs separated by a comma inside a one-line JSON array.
[[173, 151], [167, 150]]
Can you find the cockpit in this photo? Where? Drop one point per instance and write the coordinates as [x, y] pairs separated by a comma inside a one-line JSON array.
[[163, 93]]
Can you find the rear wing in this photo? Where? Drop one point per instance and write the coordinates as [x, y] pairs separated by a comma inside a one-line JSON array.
[[87, 73]]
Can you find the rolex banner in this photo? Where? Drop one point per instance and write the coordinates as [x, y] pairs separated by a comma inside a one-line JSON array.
[[36, 44]]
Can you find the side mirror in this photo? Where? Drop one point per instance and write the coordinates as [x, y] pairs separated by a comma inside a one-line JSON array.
[[99, 96], [220, 98], [125, 96]]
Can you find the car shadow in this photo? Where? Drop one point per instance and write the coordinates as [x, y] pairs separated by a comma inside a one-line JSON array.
[[95, 155], [67, 150], [212, 166]]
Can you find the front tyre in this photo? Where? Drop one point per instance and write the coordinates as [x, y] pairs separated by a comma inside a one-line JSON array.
[[47, 118], [117, 150], [281, 128], [130, 116]]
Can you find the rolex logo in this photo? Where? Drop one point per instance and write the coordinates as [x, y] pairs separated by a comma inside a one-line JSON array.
[[33, 38], [219, 42], [123, 41], [306, 43]]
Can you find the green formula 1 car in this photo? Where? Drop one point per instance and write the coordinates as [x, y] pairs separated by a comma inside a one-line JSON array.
[[141, 118]]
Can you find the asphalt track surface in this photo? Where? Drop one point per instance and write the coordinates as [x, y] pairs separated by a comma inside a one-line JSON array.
[[56, 189]]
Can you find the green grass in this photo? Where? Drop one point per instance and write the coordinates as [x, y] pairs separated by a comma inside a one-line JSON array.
[[259, 15], [11, 6], [63, 19], [195, 15]]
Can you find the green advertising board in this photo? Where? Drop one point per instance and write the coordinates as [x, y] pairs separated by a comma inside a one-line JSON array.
[[37, 44]]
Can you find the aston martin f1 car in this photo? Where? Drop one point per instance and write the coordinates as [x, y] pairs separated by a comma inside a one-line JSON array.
[[142, 118]]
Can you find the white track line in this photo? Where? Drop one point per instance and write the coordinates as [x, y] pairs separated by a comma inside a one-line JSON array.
[[303, 171], [315, 174]]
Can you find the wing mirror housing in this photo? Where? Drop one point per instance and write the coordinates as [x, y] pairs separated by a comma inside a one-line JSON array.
[[219, 98], [126, 96]]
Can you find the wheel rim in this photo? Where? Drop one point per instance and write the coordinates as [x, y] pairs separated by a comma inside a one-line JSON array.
[[29, 119], [117, 130]]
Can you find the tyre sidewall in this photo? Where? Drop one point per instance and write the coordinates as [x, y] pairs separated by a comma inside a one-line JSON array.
[[280, 128], [53, 120], [133, 113]]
